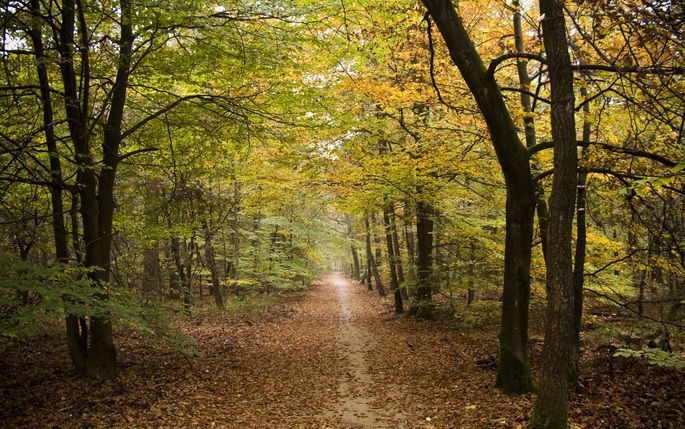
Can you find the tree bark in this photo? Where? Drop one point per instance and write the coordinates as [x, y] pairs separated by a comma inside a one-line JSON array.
[[581, 246], [102, 354], [470, 292], [551, 406], [183, 281], [210, 260], [392, 265], [423, 303], [514, 369], [355, 264], [76, 338], [409, 238], [152, 271], [529, 122], [397, 248], [373, 268], [369, 255]]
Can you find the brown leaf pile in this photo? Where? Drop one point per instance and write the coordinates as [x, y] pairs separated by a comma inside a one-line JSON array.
[[302, 363]]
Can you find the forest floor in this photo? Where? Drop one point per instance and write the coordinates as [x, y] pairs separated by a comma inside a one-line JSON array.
[[334, 356]]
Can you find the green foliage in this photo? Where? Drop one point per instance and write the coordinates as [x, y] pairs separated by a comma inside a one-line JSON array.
[[478, 314], [33, 295], [654, 356]]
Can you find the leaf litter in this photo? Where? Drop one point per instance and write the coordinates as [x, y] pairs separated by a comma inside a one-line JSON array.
[[327, 357]]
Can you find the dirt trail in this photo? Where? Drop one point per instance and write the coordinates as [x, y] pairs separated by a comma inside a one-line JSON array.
[[357, 391], [301, 363], [331, 357]]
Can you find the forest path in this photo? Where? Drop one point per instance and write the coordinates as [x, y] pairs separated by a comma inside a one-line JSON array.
[[361, 402], [334, 356]]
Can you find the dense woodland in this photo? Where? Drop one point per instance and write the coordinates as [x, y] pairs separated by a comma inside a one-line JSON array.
[[513, 172]]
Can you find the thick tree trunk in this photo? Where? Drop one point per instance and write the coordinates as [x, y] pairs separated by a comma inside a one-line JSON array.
[[392, 264], [355, 264], [514, 374], [551, 406], [423, 302], [152, 271], [514, 370]]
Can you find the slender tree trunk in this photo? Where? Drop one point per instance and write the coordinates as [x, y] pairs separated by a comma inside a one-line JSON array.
[[551, 406], [441, 268], [373, 268], [397, 247], [102, 355], [470, 272], [77, 340], [73, 215], [529, 122], [184, 282], [188, 249], [423, 303], [581, 245], [394, 282], [210, 260], [235, 233], [152, 271], [377, 243], [409, 238], [398, 254], [369, 255], [514, 369]]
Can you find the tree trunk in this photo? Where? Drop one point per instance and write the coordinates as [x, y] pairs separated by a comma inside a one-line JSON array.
[[581, 245], [152, 276], [441, 267], [423, 303], [551, 406], [369, 255], [514, 369], [77, 339], [398, 250], [409, 239], [152, 271], [184, 282], [470, 272], [102, 355], [392, 265], [373, 268], [529, 123], [355, 264], [210, 260]]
